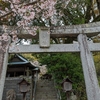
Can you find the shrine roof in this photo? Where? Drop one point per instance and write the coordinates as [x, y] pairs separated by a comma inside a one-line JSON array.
[[19, 60]]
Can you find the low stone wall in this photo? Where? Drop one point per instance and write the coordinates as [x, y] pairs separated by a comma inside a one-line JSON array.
[[12, 83]]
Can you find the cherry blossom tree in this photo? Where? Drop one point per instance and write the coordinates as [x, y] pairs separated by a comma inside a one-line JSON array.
[[27, 11]]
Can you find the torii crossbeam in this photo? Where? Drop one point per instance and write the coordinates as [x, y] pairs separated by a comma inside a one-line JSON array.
[[83, 46]]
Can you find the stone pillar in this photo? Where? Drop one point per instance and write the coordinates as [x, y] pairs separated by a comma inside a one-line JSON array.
[[91, 82], [4, 44]]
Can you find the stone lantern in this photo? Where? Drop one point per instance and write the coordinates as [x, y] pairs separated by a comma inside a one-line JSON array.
[[67, 87], [24, 87]]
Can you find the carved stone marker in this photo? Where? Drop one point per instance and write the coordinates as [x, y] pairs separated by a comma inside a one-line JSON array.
[[11, 95]]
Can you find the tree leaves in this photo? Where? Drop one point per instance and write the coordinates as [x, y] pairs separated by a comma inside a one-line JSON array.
[[66, 65]]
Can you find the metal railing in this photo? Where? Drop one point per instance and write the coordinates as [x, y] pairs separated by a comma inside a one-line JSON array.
[[58, 95], [58, 91], [34, 88]]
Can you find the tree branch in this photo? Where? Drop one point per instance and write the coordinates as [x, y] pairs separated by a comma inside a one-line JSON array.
[[98, 5], [96, 19], [88, 15], [30, 3], [6, 14]]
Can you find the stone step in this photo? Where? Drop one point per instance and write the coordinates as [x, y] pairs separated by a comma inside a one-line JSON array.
[[47, 95], [46, 99], [45, 90]]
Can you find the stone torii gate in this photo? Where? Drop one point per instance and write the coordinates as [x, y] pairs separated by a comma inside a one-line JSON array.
[[83, 46]]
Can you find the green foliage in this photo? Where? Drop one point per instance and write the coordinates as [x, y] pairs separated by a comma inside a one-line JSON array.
[[30, 57], [97, 64], [66, 65], [3, 4]]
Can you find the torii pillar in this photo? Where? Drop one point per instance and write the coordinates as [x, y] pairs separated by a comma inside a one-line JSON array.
[[4, 44], [91, 82]]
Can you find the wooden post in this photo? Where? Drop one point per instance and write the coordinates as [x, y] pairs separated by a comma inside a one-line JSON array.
[[91, 82], [31, 91], [4, 43], [68, 94], [27, 72], [24, 95]]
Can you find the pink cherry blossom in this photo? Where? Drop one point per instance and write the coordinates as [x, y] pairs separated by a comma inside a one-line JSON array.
[[16, 1], [30, 16], [29, 12]]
